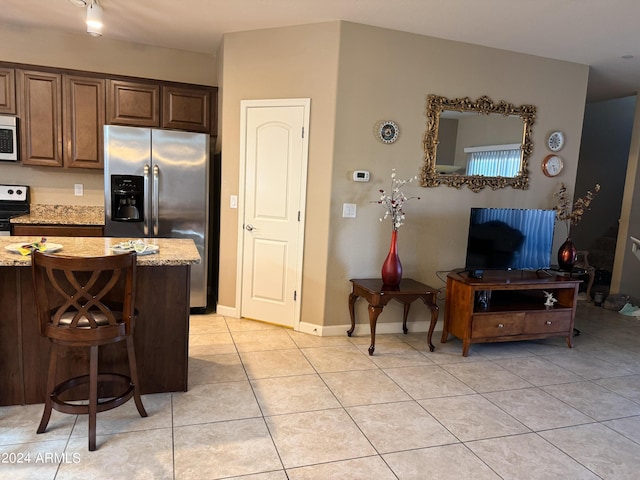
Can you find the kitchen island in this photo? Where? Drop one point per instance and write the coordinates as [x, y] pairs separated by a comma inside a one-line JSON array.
[[160, 335]]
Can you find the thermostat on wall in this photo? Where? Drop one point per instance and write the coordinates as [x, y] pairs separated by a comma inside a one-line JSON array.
[[361, 176]]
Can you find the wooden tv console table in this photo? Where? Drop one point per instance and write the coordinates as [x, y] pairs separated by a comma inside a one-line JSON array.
[[508, 306]]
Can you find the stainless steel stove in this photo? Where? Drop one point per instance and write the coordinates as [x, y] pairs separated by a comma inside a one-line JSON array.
[[14, 201]]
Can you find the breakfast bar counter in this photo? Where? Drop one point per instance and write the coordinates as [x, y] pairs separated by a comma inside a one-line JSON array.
[[160, 335]]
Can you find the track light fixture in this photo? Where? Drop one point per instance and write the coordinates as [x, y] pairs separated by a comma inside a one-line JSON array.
[[94, 19]]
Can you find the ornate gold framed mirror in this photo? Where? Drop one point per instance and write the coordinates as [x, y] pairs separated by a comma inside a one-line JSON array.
[[477, 143]]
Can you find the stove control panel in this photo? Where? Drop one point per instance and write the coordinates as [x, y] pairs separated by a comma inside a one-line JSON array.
[[13, 193]]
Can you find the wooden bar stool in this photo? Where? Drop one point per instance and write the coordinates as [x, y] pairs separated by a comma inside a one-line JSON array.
[[87, 302]]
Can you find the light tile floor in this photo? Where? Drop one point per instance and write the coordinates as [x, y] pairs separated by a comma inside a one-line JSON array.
[[267, 403]]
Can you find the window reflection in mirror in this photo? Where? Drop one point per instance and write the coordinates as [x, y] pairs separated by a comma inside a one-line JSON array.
[[479, 143]]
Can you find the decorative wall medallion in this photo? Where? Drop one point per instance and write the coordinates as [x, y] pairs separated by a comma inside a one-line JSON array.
[[387, 131], [555, 141]]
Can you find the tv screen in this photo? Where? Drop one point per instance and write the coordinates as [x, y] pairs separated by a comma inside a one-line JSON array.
[[509, 239]]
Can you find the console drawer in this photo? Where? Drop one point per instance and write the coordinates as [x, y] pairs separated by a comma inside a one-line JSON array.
[[547, 322], [497, 325]]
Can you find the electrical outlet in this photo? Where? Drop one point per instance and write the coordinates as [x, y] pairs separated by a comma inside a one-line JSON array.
[[233, 201], [78, 189]]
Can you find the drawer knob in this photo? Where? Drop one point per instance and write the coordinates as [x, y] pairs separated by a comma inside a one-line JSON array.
[[501, 325], [548, 322]]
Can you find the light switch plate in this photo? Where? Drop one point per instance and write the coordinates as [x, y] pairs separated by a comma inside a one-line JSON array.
[[349, 210], [233, 201]]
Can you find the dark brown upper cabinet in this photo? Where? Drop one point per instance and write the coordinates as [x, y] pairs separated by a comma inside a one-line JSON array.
[[187, 108], [40, 111], [7, 91], [84, 116], [132, 103]]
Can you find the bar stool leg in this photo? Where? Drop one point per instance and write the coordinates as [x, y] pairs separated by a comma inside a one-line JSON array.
[[51, 383], [93, 395], [133, 369]]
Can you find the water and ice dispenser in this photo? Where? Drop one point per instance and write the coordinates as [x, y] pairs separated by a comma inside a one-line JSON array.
[[127, 198]]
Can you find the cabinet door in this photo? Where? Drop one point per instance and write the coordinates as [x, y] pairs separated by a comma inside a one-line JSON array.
[[187, 109], [84, 115], [40, 96], [131, 103], [7, 91]]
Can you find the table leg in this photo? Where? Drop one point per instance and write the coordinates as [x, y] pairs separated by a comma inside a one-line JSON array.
[[374, 311], [569, 341], [352, 300], [434, 319], [404, 318]]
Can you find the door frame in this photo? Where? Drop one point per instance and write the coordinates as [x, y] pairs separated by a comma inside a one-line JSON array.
[[244, 106]]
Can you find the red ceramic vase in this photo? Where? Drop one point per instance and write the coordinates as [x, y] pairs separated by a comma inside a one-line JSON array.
[[392, 268], [567, 255]]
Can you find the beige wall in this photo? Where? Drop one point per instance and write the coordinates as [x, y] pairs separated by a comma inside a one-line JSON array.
[[293, 62], [83, 52], [383, 75]]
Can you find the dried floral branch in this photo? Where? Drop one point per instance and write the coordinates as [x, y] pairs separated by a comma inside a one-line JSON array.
[[572, 214], [394, 201]]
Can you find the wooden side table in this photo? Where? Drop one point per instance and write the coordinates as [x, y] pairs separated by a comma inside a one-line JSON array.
[[379, 295]]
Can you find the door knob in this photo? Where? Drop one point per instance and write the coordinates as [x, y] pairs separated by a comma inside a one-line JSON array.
[[249, 227]]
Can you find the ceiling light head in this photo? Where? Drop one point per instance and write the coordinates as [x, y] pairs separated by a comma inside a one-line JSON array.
[[78, 3], [94, 19]]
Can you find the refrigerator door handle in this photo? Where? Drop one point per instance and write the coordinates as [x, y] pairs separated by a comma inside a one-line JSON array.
[[146, 200], [156, 200]]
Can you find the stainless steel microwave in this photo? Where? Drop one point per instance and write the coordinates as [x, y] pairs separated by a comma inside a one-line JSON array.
[[8, 138]]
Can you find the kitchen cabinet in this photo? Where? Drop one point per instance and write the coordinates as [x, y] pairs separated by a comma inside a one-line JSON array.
[[133, 103], [7, 91], [62, 112], [191, 109], [156, 105], [62, 119], [57, 230], [40, 111], [84, 116]]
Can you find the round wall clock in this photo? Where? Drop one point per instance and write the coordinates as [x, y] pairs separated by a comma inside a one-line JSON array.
[[555, 141], [387, 131], [552, 165]]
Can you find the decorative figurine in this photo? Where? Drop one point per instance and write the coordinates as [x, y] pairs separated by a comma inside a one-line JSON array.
[[549, 299]]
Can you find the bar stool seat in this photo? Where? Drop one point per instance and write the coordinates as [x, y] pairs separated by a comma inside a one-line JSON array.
[[87, 302]]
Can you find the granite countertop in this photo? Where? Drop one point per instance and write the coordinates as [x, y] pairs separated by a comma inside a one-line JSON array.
[[172, 251], [62, 215]]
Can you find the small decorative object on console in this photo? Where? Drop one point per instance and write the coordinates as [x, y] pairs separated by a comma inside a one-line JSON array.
[[571, 214], [549, 299], [393, 203]]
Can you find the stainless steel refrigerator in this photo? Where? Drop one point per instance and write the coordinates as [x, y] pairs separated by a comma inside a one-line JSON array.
[[157, 185]]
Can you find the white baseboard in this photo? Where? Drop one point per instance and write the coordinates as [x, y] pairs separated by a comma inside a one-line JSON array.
[[362, 328], [227, 311]]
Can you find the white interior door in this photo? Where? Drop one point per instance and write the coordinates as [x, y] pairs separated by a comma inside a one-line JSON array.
[[274, 149]]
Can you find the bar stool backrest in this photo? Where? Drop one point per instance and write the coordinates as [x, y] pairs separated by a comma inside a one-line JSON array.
[[85, 300]]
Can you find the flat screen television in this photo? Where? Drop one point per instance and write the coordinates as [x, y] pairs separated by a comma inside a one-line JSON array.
[[509, 239]]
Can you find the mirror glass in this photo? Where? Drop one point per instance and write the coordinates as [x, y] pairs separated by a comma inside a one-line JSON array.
[[477, 143]]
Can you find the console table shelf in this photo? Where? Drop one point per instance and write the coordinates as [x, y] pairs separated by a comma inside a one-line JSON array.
[[508, 306]]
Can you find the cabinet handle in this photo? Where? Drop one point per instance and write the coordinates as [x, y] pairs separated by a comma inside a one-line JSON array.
[[501, 325], [548, 322]]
